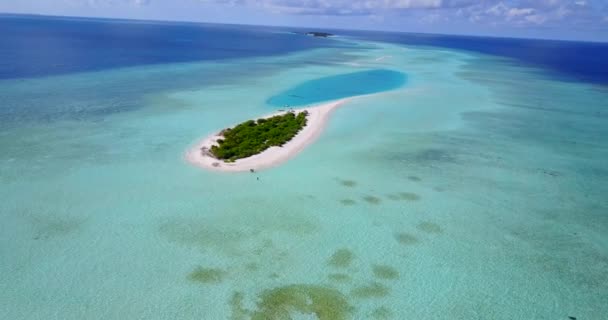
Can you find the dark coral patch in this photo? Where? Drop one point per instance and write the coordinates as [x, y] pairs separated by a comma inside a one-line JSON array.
[[406, 238], [382, 313], [207, 275], [348, 202], [394, 197], [372, 199], [348, 183], [403, 196], [339, 277], [341, 258], [50, 226], [372, 290], [324, 303], [236, 307], [430, 227], [409, 196], [252, 266], [385, 272]]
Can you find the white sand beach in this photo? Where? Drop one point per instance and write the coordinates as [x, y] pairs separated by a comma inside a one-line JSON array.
[[317, 118]]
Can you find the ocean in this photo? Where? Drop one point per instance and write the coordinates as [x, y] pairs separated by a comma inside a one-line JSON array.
[[469, 182]]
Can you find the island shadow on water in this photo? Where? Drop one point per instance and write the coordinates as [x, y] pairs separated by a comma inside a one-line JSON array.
[[339, 86]]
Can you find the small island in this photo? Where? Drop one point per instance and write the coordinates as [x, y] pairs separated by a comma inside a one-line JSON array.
[[319, 34], [275, 138], [263, 143], [252, 137]]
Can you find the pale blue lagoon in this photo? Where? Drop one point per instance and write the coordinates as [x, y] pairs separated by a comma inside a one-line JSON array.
[[340, 86], [468, 186]]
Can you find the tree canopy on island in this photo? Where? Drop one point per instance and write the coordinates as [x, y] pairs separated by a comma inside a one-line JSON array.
[[319, 34], [253, 137]]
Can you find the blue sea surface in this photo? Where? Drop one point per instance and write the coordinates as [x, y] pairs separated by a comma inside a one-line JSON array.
[[42, 46], [339, 86], [79, 44], [570, 60]]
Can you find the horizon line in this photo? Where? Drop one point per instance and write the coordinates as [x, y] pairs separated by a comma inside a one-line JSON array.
[[299, 27]]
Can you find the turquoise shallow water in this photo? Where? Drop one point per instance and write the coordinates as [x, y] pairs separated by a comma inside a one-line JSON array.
[[463, 195]]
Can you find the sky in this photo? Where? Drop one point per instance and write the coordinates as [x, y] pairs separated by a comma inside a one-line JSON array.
[[585, 20]]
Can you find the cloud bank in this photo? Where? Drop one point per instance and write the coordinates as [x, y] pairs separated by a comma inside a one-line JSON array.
[[494, 12], [561, 19]]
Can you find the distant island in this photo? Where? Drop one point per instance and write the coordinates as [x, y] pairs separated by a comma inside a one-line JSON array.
[[252, 137], [314, 34], [319, 34]]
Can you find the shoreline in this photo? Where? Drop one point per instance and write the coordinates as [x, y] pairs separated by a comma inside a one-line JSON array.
[[318, 116]]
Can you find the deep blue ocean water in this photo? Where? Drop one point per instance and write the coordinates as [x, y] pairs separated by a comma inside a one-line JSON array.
[[572, 61], [41, 46], [78, 44]]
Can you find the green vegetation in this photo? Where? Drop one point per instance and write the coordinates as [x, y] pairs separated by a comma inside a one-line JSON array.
[[319, 34], [253, 137]]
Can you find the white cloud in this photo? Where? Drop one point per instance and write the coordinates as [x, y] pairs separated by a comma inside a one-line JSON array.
[[517, 12], [522, 13], [561, 12], [96, 3], [344, 7], [536, 19], [497, 10], [431, 18]]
